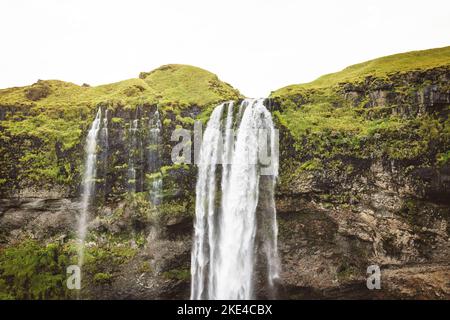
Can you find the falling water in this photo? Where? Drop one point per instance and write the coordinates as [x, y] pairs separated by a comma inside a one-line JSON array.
[[131, 162], [223, 256], [88, 182], [227, 149], [204, 236], [154, 161], [104, 138]]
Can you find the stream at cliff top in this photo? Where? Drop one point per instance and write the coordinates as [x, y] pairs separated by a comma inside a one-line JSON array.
[[227, 236]]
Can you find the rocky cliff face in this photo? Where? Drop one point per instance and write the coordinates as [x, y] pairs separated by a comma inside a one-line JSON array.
[[364, 180], [382, 203]]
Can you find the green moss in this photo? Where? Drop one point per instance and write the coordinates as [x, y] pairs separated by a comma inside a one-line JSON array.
[[166, 170], [102, 278], [324, 130], [42, 133], [108, 257], [117, 120], [33, 271], [177, 274], [145, 267], [139, 204], [346, 272], [174, 208], [167, 122], [442, 158], [174, 84], [43, 147], [325, 127], [311, 165], [381, 67], [185, 120]]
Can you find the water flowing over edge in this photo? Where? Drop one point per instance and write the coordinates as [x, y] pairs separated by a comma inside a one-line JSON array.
[[223, 254], [98, 135], [88, 183]]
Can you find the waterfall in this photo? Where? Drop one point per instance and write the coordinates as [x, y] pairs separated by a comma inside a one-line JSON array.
[[225, 238], [88, 182], [131, 162], [154, 157], [104, 138], [204, 236]]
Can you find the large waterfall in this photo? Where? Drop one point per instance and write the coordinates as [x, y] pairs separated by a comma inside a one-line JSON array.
[[228, 235], [90, 169]]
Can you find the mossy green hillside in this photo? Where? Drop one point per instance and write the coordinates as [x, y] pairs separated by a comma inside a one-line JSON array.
[[173, 84], [377, 68], [366, 112], [43, 126], [187, 85], [33, 271]]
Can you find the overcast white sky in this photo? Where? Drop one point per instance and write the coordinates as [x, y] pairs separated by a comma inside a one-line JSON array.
[[255, 45]]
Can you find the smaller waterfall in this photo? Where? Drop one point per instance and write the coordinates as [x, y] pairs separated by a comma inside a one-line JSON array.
[[154, 157], [90, 169], [134, 125], [104, 138], [105, 133]]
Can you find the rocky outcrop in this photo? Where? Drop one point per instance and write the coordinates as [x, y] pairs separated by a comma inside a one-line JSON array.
[[347, 198], [341, 213]]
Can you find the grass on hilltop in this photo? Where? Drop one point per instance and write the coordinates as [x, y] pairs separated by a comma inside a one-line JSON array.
[[43, 124], [379, 68], [325, 125], [175, 84]]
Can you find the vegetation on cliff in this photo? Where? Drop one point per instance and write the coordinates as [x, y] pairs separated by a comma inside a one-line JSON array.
[[32, 271], [377, 68], [175, 84], [42, 126], [394, 108]]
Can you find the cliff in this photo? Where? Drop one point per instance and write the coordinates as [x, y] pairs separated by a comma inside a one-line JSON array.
[[364, 179]]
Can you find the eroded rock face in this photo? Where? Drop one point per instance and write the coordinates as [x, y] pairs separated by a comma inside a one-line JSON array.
[[367, 208], [36, 218], [327, 249], [431, 94], [334, 221]]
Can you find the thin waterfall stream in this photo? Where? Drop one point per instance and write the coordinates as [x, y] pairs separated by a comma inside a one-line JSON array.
[[88, 184], [154, 157], [96, 166]]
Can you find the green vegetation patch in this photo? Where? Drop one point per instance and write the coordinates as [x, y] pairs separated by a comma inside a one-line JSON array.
[[33, 271], [177, 274], [43, 126], [379, 68]]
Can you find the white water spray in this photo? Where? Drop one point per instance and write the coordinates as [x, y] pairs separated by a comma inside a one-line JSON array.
[[134, 125], [154, 157], [223, 256], [204, 238]]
